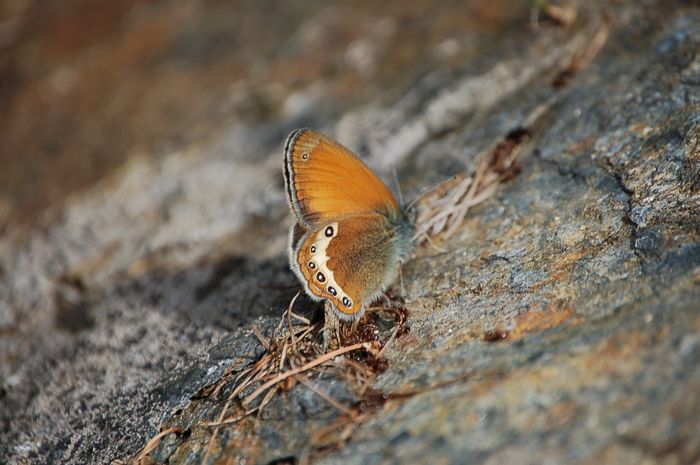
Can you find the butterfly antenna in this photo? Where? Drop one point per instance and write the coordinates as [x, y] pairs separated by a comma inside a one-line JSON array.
[[398, 185], [430, 189]]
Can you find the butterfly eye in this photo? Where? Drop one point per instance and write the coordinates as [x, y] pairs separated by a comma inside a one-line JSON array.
[[320, 277], [304, 156], [329, 231], [312, 265], [332, 291], [313, 249], [347, 302]]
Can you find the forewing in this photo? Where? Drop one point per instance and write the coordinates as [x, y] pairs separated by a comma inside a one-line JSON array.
[[325, 180]]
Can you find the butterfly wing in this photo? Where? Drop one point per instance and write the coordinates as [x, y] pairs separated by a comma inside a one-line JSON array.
[[325, 180], [349, 261]]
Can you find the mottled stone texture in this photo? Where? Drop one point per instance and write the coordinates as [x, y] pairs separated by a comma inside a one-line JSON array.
[[119, 302]]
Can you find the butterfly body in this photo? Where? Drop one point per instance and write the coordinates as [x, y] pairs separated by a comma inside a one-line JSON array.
[[350, 234]]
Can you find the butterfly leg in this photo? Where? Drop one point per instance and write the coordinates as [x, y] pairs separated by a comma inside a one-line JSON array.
[[331, 326]]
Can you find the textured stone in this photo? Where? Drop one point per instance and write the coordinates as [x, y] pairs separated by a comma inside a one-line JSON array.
[[561, 325]]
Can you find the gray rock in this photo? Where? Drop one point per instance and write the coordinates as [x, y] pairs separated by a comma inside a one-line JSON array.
[[120, 306]]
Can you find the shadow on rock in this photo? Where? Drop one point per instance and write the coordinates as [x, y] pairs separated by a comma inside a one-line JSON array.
[[228, 293]]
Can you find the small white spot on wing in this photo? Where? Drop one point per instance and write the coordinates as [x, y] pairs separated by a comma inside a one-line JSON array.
[[319, 261]]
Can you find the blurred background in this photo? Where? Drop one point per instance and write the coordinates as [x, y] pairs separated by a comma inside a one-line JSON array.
[[143, 225], [85, 84]]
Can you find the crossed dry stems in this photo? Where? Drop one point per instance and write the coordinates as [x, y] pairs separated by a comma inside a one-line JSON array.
[[287, 358], [442, 211]]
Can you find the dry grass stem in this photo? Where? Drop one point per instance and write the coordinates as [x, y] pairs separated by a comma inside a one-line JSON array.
[[229, 421], [564, 15], [283, 357], [154, 441], [584, 58], [324, 395], [289, 317], [312, 364], [267, 398], [300, 318], [291, 354], [263, 340], [388, 343], [443, 210], [257, 368], [297, 347]]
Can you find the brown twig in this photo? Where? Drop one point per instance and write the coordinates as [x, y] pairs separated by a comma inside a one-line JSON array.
[[263, 340], [154, 441], [585, 56], [391, 339], [229, 421], [324, 395], [231, 396], [289, 316], [444, 210], [296, 348], [314, 363], [283, 357]]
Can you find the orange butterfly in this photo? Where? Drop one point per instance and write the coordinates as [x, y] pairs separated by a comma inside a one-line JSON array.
[[351, 234]]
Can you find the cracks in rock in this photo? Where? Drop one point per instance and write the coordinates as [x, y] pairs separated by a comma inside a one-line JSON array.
[[629, 193], [570, 171], [627, 218]]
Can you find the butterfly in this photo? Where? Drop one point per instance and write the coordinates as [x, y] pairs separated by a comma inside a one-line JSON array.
[[350, 233]]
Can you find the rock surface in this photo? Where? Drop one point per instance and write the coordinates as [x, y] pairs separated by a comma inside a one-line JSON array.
[[561, 325]]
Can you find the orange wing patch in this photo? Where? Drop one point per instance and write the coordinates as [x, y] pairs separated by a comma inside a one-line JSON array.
[[312, 261], [325, 180]]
